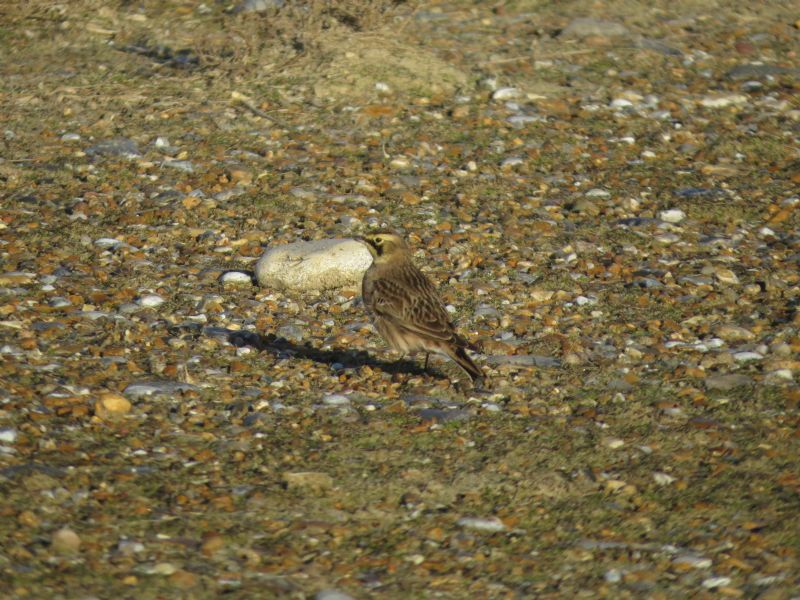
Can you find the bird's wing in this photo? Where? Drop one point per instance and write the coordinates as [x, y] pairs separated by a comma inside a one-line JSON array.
[[419, 311]]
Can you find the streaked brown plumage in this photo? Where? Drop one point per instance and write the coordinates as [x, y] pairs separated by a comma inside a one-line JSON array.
[[405, 307]]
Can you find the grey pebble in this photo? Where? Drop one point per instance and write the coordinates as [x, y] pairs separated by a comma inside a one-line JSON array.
[[129, 548], [92, 315], [290, 332], [186, 166], [47, 325], [648, 283], [659, 46], [115, 147], [444, 415], [613, 576], [59, 302], [255, 418], [727, 381], [586, 27], [523, 360], [522, 120], [335, 400], [754, 71], [332, 595], [151, 388], [637, 221], [228, 194], [696, 280], [486, 310], [257, 6]]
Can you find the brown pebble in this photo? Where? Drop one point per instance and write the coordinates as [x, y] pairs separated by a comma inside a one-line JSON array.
[[189, 202], [212, 545], [14, 278], [308, 480], [241, 176], [28, 519], [461, 112], [250, 557], [183, 579], [111, 404], [66, 541]]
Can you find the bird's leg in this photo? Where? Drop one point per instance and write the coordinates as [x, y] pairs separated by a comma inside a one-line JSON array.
[[427, 356]]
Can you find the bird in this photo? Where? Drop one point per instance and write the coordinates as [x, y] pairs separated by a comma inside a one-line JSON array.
[[406, 309]]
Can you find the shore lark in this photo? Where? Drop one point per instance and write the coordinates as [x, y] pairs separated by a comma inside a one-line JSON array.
[[405, 307]]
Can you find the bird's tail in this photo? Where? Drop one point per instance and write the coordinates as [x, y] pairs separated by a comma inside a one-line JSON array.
[[460, 356]]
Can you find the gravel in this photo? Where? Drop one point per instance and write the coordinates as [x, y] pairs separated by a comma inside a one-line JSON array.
[[610, 213]]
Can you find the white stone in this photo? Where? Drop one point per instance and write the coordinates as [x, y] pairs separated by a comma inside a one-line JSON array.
[[8, 436], [163, 568], [724, 100], [791, 202], [335, 400], [621, 103], [506, 93], [107, 242], [673, 215], [151, 301], [779, 377], [520, 120], [236, 277], [482, 524], [332, 595], [663, 478], [667, 238], [400, 162], [715, 582], [317, 265], [583, 27], [726, 276], [746, 356], [613, 576], [512, 161], [696, 562], [129, 548]]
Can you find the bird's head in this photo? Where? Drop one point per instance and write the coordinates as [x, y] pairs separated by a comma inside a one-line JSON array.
[[384, 245]]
